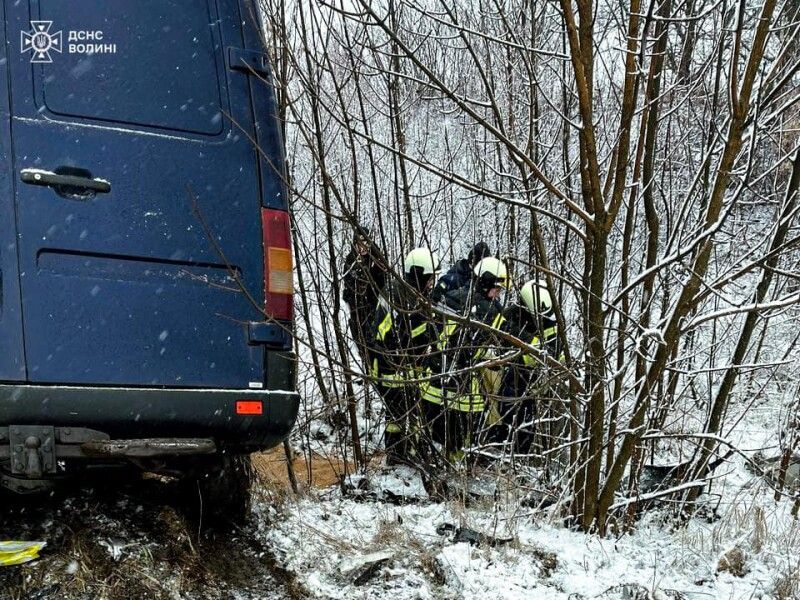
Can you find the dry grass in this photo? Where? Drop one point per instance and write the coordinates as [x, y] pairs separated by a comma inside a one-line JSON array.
[[787, 587], [734, 561], [388, 533]]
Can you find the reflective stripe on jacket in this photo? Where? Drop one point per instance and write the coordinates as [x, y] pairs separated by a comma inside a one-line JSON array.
[[472, 401], [531, 360], [466, 394], [399, 339], [526, 369]]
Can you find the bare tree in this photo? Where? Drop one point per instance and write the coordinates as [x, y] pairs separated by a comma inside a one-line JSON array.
[[637, 160]]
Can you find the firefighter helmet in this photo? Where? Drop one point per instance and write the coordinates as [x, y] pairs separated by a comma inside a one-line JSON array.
[[537, 299], [491, 272], [479, 252], [422, 259]]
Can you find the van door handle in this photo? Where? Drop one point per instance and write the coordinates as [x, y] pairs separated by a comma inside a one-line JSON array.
[[64, 182], [248, 61]]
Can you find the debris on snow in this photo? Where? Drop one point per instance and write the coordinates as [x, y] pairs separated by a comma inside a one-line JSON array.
[[17, 553], [398, 485], [773, 469], [470, 536], [359, 569], [115, 547]]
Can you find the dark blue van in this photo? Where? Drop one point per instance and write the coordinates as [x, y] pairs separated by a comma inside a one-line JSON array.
[[145, 255]]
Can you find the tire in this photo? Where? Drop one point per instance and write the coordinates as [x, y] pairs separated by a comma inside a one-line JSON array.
[[220, 488]]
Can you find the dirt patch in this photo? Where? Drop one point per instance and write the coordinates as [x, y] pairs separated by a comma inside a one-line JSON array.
[[124, 535], [316, 471], [133, 539]]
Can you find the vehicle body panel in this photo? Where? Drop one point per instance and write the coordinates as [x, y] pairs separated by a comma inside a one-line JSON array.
[[12, 355], [127, 413], [144, 285]]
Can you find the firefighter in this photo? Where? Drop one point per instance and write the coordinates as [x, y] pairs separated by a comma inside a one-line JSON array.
[[525, 380], [401, 335], [362, 282], [460, 274], [453, 394]]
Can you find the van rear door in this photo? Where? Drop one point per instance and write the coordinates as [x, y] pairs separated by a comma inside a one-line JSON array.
[[12, 358], [137, 193]]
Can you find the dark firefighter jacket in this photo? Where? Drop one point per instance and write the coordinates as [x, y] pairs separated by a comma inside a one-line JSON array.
[[521, 373], [458, 276], [401, 335], [454, 382], [362, 282]]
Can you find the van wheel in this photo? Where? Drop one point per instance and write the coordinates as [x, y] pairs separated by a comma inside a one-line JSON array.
[[220, 488]]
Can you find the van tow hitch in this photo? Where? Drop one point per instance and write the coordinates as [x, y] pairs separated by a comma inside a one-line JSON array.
[[32, 449], [30, 454]]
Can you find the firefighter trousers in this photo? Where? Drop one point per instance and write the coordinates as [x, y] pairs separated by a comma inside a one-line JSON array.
[[400, 402]]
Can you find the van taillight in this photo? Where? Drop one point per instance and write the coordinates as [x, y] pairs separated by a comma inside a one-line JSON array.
[[278, 272]]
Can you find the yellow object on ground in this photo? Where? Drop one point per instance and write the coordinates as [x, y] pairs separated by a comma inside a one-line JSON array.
[[16, 553]]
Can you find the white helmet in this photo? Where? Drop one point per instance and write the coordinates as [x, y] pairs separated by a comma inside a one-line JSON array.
[[422, 258], [536, 298], [492, 272]]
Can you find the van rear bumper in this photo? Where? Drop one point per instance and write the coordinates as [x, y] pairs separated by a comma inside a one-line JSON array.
[[126, 413]]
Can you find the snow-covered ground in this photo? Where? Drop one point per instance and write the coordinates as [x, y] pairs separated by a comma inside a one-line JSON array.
[[133, 538], [316, 538], [321, 535]]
